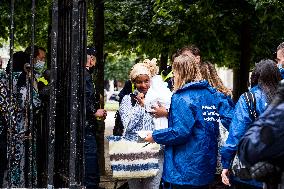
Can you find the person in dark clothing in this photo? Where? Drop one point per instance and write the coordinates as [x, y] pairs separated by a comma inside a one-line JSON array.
[[262, 147], [265, 80], [92, 176], [126, 90]]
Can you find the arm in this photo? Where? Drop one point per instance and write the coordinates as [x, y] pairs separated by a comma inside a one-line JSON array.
[[130, 115], [181, 122], [238, 127], [226, 111]]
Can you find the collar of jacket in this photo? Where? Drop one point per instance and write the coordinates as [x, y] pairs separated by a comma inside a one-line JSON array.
[[196, 85]]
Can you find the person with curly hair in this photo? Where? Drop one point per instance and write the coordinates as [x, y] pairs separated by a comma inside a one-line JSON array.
[[264, 81]]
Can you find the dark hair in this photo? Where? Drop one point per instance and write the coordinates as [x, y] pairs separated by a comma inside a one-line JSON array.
[[192, 48], [268, 77], [91, 51], [254, 77], [36, 50], [279, 97], [20, 58]]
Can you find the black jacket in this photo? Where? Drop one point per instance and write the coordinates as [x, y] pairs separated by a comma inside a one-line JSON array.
[[91, 102], [264, 141]]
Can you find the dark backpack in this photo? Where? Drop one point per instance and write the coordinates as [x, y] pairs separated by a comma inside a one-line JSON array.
[[261, 171], [239, 170], [118, 126], [251, 103]]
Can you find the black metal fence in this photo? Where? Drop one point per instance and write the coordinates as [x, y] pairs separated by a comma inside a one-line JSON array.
[[55, 142]]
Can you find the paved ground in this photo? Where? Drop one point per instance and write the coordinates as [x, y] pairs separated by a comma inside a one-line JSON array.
[[106, 181], [109, 124]]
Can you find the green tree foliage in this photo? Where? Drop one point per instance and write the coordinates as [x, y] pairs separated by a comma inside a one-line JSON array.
[[150, 27], [231, 33], [22, 22], [117, 67]]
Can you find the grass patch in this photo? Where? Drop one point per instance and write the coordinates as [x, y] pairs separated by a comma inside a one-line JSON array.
[[111, 106]]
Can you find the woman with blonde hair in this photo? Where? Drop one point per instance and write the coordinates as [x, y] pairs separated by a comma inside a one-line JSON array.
[[210, 74], [191, 138]]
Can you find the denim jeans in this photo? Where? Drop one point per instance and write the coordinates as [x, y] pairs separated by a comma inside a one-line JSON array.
[[92, 175]]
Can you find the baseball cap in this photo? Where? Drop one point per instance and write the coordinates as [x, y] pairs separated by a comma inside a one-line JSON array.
[[91, 51]]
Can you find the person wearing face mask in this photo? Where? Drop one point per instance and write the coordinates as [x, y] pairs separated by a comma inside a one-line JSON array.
[[25, 77], [280, 58], [28, 80], [93, 113]]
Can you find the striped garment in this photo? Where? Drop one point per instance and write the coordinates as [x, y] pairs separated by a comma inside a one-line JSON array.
[[134, 118], [130, 159]]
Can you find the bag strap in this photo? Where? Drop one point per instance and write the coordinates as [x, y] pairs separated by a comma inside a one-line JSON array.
[[251, 103]]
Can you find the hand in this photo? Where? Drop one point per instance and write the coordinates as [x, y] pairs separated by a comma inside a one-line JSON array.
[[225, 177], [149, 138], [101, 113], [159, 111], [140, 99]]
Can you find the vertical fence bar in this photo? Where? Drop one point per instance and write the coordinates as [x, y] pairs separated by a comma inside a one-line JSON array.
[[10, 131], [68, 48], [82, 59], [74, 101], [31, 131], [78, 48], [53, 93]]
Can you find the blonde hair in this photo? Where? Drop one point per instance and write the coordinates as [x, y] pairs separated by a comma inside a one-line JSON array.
[[152, 66], [209, 73], [186, 69], [147, 67]]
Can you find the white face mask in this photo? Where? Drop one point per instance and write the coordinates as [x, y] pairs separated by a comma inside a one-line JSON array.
[[39, 66]]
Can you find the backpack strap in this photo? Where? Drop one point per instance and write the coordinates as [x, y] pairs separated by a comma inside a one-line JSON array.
[[251, 103]]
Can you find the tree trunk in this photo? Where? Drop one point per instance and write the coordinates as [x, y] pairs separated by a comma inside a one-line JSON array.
[[241, 74], [99, 43], [163, 59]]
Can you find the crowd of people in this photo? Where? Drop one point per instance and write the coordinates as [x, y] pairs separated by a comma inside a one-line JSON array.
[[209, 142]]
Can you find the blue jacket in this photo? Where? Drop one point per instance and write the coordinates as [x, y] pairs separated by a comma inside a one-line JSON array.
[[264, 141], [191, 138], [240, 125]]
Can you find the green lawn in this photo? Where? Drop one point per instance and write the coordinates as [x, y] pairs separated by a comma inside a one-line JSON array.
[[111, 106]]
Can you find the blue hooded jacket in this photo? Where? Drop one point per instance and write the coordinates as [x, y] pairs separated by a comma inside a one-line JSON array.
[[191, 139], [240, 124]]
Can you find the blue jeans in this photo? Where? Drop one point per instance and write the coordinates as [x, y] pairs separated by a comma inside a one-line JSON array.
[[92, 174]]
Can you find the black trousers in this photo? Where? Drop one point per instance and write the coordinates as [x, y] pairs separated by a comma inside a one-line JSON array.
[[92, 174]]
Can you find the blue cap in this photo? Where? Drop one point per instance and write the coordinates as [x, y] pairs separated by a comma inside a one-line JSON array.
[[91, 51]]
